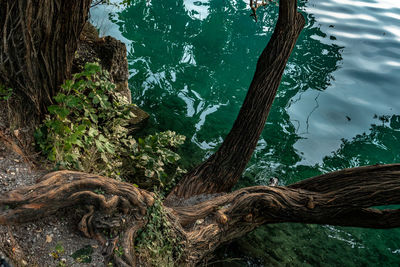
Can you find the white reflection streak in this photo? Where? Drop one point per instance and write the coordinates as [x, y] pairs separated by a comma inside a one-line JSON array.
[[197, 9], [188, 56]]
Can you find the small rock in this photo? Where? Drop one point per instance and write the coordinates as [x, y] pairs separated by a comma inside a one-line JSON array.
[[273, 181], [17, 160], [49, 238], [199, 221]]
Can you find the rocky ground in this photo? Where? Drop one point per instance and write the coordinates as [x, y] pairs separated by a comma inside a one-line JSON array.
[[51, 241]]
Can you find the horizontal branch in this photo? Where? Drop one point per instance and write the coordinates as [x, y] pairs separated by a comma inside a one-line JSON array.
[[64, 189], [366, 175], [338, 198], [343, 198]]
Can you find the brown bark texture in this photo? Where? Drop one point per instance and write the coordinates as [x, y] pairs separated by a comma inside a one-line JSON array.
[[347, 198], [38, 40], [223, 169], [64, 189]]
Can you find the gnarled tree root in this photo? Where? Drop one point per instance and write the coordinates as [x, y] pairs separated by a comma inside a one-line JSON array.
[[102, 196], [345, 198], [68, 188]]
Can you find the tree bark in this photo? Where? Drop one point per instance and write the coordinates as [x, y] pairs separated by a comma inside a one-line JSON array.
[[38, 40], [346, 198], [222, 170], [99, 194], [348, 202]]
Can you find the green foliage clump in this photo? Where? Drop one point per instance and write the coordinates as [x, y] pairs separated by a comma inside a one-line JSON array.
[[88, 129], [83, 255], [154, 161], [158, 243], [5, 93], [58, 251]]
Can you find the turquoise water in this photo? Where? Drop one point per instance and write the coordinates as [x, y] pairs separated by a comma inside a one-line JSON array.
[[338, 104]]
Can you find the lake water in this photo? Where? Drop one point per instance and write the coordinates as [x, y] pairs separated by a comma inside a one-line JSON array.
[[338, 105]]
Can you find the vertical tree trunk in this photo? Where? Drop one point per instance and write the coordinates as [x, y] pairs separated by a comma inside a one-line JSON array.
[[222, 170], [38, 39]]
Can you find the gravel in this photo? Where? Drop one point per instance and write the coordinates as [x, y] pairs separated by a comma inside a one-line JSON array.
[[49, 241]]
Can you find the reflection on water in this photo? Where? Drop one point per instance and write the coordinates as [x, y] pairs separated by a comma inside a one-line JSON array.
[[366, 82], [196, 9], [380, 145], [190, 66]]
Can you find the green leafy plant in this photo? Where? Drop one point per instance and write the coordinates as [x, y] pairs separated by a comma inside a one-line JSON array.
[[88, 129], [99, 191], [58, 251], [154, 161], [158, 244], [5, 93], [119, 251], [83, 255]]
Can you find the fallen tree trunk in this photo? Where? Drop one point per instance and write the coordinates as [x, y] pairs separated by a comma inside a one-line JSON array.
[[345, 198]]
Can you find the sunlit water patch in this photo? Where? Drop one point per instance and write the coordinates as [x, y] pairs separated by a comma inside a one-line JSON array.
[[197, 9], [365, 83]]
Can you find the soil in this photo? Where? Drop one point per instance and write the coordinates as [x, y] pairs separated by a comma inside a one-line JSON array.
[[50, 241]]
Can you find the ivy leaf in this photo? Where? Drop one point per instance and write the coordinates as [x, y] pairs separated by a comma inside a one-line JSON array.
[[67, 85], [99, 145], [59, 98], [93, 132], [81, 128], [73, 101], [62, 112], [96, 99]]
